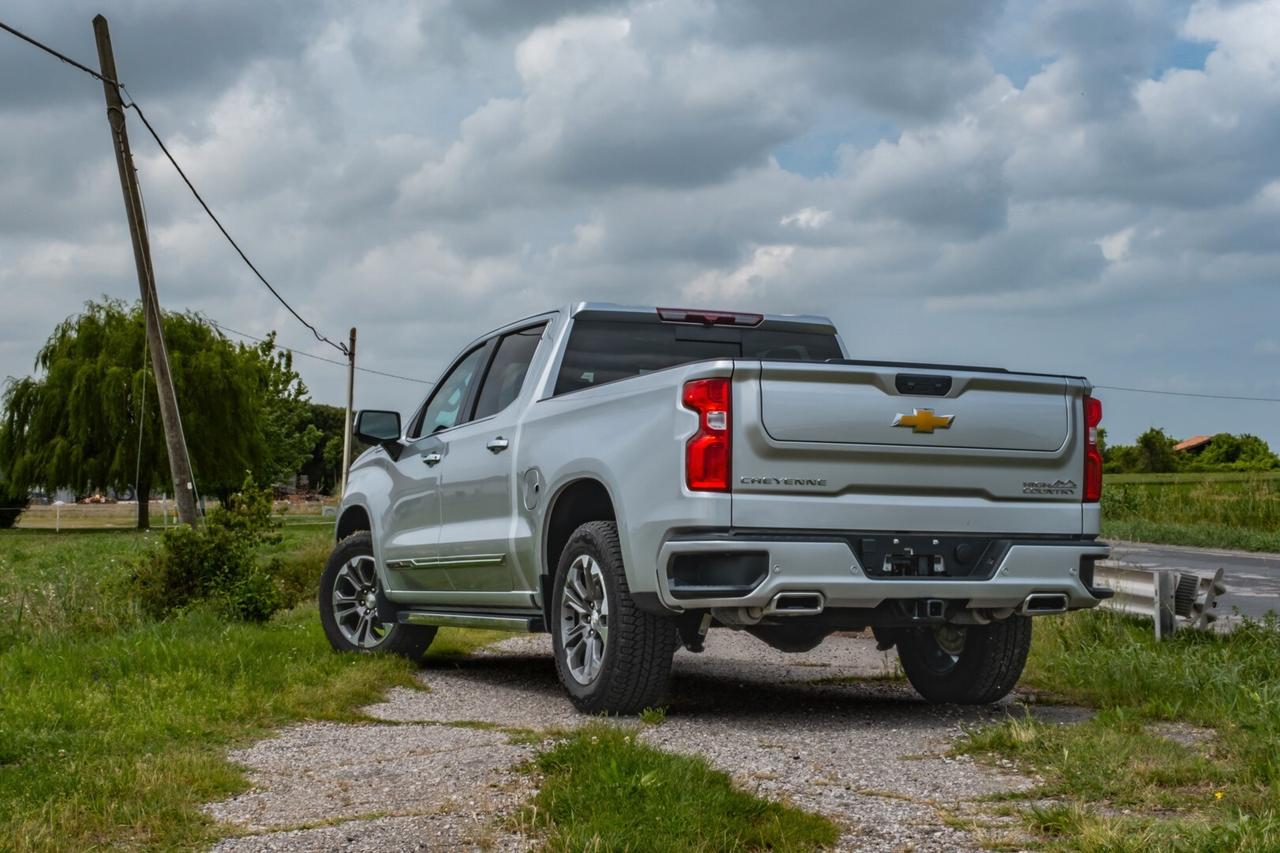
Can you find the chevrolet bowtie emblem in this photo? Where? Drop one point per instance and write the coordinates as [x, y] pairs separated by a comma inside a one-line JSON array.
[[923, 420]]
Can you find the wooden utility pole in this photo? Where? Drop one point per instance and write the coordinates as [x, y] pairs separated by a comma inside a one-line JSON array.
[[351, 399], [175, 442]]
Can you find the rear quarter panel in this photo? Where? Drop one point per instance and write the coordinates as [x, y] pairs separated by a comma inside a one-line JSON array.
[[630, 436]]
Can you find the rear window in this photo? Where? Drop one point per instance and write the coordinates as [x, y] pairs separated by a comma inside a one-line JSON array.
[[602, 351]]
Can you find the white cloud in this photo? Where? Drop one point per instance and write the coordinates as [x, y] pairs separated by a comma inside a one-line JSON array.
[[1115, 247], [999, 180], [807, 217]]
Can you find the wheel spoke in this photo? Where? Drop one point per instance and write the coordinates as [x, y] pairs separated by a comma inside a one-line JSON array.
[[580, 586], [363, 567], [574, 602]]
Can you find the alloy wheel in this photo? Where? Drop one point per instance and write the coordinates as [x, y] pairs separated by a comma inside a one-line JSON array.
[[355, 603], [584, 619]]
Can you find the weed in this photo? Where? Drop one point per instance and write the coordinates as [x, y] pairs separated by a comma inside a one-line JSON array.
[[653, 716]]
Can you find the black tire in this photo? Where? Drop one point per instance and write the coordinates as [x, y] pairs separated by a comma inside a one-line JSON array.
[[980, 669], [637, 647], [349, 570]]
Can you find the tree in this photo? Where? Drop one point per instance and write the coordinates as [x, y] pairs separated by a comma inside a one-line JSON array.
[[324, 469], [288, 433], [1151, 453], [90, 420], [12, 503], [1155, 452], [1237, 453]]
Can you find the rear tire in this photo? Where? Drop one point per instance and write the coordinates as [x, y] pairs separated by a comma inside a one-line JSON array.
[[611, 656], [348, 605], [966, 665]]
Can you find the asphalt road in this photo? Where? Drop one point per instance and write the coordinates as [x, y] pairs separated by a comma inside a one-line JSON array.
[[1253, 580]]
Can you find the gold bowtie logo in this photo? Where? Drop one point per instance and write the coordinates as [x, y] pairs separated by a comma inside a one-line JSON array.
[[923, 420]]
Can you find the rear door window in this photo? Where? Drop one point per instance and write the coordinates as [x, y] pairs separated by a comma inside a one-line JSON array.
[[507, 371]]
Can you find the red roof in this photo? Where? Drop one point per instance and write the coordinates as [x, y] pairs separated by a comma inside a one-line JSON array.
[[1192, 443]]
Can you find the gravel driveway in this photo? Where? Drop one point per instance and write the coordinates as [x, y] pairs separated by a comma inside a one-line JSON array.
[[825, 730]]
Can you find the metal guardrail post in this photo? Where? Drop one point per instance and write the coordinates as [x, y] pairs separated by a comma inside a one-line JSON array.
[[1164, 596]]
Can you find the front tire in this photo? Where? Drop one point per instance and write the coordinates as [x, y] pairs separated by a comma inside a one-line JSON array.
[[612, 657], [348, 605], [966, 664]]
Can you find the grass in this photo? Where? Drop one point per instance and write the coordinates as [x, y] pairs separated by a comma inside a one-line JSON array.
[[601, 790], [114, 730], [1118, 782], [1207, 510]]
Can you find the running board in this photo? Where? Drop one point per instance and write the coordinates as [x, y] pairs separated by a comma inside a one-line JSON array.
[[456, 619]]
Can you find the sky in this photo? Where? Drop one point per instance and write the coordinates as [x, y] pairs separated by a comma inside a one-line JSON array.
[[1085, 187]]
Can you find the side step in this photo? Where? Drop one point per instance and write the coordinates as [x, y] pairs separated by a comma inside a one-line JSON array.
[[460, 619]]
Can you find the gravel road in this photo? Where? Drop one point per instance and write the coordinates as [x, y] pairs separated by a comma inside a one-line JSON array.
[[825, 730]]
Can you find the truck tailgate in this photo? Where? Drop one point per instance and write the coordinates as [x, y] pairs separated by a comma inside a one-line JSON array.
[[859, 405], [853, 446]]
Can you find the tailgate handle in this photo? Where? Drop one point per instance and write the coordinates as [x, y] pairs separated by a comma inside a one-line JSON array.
[[923, 385]]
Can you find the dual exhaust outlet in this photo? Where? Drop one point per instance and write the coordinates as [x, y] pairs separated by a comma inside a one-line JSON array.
[[812, 603]]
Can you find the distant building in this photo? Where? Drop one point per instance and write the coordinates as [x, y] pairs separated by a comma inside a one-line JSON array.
[[1193, 445]]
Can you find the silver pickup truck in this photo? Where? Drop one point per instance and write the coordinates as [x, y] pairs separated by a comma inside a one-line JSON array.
[[628, 478]]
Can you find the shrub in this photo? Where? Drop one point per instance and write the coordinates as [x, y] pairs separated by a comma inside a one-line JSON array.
[[216, 563]]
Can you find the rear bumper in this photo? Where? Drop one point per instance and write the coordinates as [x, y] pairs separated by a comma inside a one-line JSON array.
[[828, 566]]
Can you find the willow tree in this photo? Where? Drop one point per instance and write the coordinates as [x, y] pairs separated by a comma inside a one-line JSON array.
[[89, 420]]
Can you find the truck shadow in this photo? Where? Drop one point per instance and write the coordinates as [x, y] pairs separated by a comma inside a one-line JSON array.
[[733, 690]]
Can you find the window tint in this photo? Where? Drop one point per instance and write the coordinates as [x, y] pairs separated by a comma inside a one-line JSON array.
[[602, 351], [445, 408], [507, 371]]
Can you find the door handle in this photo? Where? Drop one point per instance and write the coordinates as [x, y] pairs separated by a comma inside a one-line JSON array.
[[432, 459], [498, 444]]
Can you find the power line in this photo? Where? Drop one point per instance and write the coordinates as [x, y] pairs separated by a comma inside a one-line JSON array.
[[133, 104], [256, 339], [1189, 394], [29, 40]]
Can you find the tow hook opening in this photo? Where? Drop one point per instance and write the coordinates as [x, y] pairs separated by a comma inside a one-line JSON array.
[[1040, 603], [796, 604]]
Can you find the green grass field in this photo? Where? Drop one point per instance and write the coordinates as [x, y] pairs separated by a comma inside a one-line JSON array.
[[1124, 780], [114, 729], [1207, 510]]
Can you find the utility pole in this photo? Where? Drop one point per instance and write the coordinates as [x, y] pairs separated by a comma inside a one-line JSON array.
[[351, 399], [175, 442]]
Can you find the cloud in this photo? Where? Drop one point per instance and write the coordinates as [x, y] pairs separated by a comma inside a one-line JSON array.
[[1026, 184]]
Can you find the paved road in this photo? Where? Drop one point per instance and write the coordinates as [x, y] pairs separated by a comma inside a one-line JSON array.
[[1253, 580]]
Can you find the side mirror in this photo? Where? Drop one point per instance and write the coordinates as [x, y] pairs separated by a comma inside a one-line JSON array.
[[374, 426]]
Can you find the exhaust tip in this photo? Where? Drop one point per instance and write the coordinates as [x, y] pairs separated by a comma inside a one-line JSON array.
[[1041, 603], [796, 604]]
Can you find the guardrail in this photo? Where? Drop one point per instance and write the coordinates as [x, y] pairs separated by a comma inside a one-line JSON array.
[[1171, 599]]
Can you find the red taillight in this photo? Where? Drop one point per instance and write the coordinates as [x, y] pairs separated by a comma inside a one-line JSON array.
[[708, 455], [1092, 456]]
